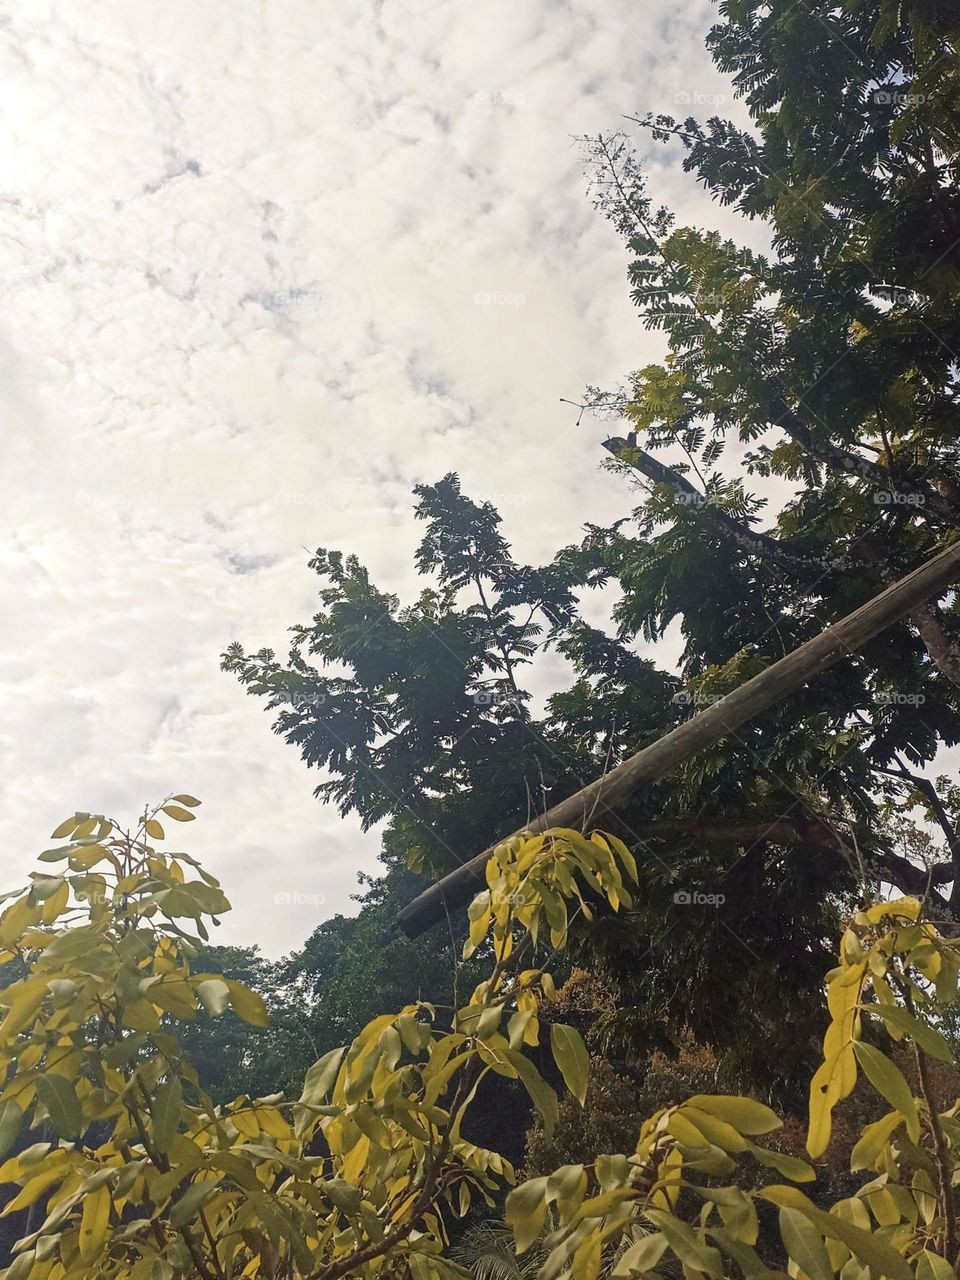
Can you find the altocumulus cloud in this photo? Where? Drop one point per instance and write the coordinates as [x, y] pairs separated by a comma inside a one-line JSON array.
[[267, 267]]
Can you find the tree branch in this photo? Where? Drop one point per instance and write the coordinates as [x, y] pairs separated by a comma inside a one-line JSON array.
[[750, 540], [944, 650]]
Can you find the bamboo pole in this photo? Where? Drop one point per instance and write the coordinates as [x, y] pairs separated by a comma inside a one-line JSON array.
[[608, 793]]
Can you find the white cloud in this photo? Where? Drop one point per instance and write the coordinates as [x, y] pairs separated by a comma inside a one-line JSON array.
[[266, 268]]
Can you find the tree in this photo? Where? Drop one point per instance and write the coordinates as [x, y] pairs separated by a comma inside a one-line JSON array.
[[830, 361], [431, 728]]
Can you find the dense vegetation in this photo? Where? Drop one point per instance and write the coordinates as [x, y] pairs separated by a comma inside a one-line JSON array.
[[141, 1174]]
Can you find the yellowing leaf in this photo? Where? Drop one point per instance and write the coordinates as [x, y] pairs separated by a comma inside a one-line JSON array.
[[56, 904], [872, 1141], [190, 801], [94, 1222], [177, 813], [247, 1004], [153, 829], [66, 828], [746, 1115]]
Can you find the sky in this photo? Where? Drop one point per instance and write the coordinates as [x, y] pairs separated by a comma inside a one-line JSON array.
[[265, 267]]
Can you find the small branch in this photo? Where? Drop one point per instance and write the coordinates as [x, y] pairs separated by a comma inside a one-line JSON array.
[[941, 1149], [854, 464], [751, 541]]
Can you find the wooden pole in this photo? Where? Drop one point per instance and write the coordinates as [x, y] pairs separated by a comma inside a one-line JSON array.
[[607, 794]]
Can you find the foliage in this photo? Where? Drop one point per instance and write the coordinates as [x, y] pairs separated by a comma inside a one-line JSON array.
[[232, 1056], [894, 967], [148, 1177], [361, 1175], [821, 371]]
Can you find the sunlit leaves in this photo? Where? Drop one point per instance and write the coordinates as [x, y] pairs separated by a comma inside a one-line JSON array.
[[89, 1040]]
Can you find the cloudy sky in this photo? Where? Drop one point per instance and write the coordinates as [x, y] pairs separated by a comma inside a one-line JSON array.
[[265, 267]]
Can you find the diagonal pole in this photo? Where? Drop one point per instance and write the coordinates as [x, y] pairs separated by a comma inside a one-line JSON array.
[[608, 793]]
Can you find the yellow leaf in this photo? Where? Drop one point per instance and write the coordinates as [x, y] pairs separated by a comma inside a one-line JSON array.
[[66, 828], [746, 1115], [55, 904], [94, 1222], [179, 815]]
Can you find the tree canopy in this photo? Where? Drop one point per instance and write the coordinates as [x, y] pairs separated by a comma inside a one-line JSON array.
[[820, 374]]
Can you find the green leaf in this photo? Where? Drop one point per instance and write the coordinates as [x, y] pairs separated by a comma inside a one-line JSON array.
[[572, 1059], [686, 1244], [789, 1166], [805, 1245], [889, 1080], [543, 1096], [320, 1079], [642, 1256], [165, 1111], [867, 1247], [525, 1211], [187, 1206], [927, 1038], [59, 1096], [930, 1266], [11, 1118], [54, 855]]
